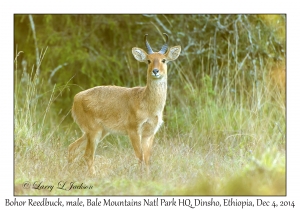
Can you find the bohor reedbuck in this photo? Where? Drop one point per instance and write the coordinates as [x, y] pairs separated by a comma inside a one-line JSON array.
[[136, 112]]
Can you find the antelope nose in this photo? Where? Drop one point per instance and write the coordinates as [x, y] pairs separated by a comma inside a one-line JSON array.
[[155, 71]]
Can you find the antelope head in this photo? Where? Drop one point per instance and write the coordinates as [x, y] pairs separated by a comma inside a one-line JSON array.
[[157, 61]]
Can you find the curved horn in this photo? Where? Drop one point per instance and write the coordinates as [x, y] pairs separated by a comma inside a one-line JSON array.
[[150, 51], [165, 46]]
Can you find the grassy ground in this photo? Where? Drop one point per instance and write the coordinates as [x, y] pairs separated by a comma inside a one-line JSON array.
[[209, 145]]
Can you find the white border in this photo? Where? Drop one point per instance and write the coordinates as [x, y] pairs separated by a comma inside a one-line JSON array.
[[153, 6]]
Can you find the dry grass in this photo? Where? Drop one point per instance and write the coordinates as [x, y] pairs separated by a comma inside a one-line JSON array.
[[175, 170]]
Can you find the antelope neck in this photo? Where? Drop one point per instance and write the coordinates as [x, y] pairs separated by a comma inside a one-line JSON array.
[[156, 92]]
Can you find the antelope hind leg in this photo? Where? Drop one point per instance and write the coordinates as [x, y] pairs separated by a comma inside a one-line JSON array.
[[74, 146]]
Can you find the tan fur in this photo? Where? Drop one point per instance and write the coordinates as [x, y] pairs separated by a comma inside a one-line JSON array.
[[136, 112]]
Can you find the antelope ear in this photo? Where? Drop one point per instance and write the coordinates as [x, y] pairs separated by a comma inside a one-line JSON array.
[[173, 53], [139, 54]]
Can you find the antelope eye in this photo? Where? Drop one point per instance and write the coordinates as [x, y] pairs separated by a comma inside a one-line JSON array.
[[163, 60], [149, 61]]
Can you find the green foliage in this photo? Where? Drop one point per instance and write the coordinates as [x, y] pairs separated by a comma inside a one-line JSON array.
[[96, 49]]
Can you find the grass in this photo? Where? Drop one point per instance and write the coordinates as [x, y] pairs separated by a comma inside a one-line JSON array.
[[210, 144]]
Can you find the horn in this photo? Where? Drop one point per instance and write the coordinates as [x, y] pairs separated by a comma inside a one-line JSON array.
[[150, 51], [165, 46]]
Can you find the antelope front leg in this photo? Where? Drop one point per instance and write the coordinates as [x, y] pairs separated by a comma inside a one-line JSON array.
[[136, 143], [147, 148]]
